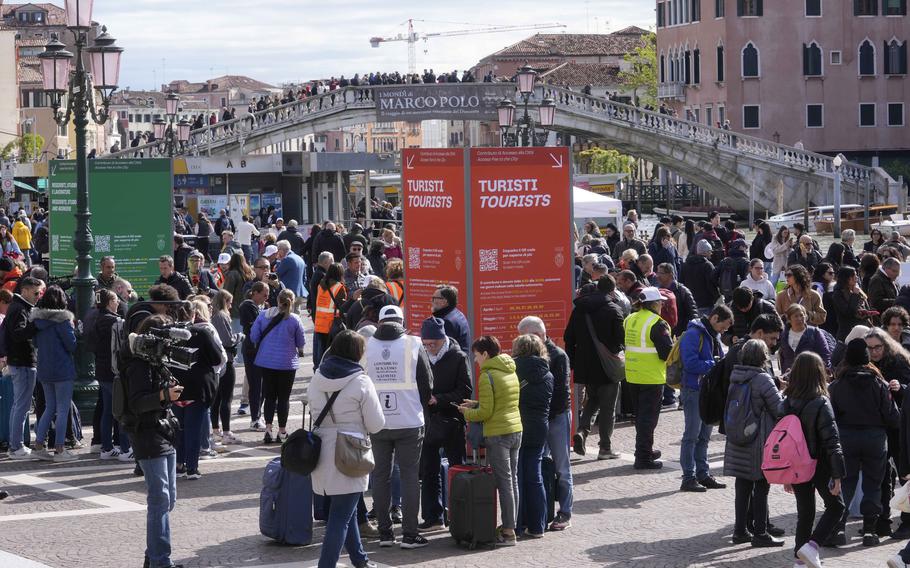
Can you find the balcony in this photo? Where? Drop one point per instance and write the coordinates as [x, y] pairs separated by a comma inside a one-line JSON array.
[[671, 91]]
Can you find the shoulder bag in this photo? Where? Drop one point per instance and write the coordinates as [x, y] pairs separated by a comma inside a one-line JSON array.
[[300, 452], [338, 324], [272, 325], [353, 451], [613, 365]]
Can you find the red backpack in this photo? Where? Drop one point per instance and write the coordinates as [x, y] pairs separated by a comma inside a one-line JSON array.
[[668, 311]]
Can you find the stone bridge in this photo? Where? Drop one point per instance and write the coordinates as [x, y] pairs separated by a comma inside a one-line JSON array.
[[731, 166]]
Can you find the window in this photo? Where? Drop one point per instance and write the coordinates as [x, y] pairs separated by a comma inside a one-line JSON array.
[[748, 8], [867, 114], [895, 7], [61, 130], [696, 10], [865, 7], [812, 60], [813, 7], [895, 58], [688, 67], [866, 58], [750, 61], [895, 114], [814, 116], [148, 118], [661, 22], [696, 66], [720, 64], [751, 116], [719, 8], [721, 115], [709, 116], [663, 68], [836, 58]]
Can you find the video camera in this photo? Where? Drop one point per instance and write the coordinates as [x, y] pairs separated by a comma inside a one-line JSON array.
[[165, 347]]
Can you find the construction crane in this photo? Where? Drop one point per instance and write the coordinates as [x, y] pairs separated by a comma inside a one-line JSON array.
[[413, 37]]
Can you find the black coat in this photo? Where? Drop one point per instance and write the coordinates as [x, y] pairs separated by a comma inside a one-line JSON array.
[[200, 382], [451, 383], [559, 368], [248, 312], [742, 321], [820, 430], [882, 291], [846, 307], [178, 282], [292, 235], [456, 325], [534, 398], [896, 368], [606, 317], [18, 333], [686, 309], [810, 261], [327, 241], [697, 275], [370, 298], [181, 255], [313, 283], [98, 341], [861, 399], [757, 248], [144, 395]]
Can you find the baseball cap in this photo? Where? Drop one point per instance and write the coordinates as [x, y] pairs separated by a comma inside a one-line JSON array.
[[224, 258], [650, 294], [270, 251], [391, 313]]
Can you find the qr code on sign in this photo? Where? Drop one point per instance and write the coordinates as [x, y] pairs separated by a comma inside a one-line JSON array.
[[414, 257], [489, 260], [103, 243]]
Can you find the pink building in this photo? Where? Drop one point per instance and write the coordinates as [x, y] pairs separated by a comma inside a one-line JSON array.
[[831, 74]]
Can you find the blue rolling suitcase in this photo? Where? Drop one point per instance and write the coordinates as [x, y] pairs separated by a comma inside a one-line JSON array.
[[286, 505]]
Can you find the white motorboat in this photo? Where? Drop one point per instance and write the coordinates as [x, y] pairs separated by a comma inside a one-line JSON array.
[[896, 223], [815, 213]]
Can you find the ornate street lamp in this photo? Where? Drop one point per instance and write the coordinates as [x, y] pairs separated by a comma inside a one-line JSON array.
[[77, 85], [167, 133], [525, 133]]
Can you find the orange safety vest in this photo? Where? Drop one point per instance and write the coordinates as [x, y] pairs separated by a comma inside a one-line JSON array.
[[396, 290], [326, 309]]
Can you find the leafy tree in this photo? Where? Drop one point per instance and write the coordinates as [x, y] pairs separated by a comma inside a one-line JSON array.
[[642, 76], [606, 161], [28, 147]]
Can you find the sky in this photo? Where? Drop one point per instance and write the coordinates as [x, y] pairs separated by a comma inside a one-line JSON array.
[[279, 41]]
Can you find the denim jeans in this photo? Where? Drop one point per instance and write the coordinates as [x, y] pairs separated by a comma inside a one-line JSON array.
[[320, 343], [161, 488], [189, 439], [23, 389], [532, 504], [248, 253], [57, 397], [342, 530], [502, 453], [693, 452], [107, 421], [558, 447], [401, 446]]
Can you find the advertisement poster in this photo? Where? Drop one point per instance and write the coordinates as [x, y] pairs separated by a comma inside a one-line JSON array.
[[271, 200], [132, 205], [448, 101], [240, 206], [211, 205], [434, 212], [516, 273]]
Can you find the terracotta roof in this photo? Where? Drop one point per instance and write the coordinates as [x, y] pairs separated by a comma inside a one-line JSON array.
[[56, 16], [28, 74], [580, 74], [564, 45], [30, 60], [220, 84], [139, 99]]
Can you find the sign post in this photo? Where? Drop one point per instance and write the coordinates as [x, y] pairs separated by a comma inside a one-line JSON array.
[[7, 177]]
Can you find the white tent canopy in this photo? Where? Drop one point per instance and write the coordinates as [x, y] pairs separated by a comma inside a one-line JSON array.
[[590, 205]]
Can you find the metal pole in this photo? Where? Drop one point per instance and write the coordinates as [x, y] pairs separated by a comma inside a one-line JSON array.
[[367, 203], [806, 208], [866, 187], [837, 200], [752, 204]]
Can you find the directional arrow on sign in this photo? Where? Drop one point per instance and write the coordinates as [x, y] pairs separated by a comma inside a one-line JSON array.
[[410, 164], [557, 161]]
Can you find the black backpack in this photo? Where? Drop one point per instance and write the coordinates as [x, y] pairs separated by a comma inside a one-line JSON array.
[[712, 395]]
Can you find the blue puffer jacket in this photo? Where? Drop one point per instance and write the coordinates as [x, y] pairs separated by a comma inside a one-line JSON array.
[[279, 348], [536, 384], [697, 350], [55, 342]]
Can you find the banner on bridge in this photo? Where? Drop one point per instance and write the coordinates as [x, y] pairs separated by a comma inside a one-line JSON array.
[[446, 101]]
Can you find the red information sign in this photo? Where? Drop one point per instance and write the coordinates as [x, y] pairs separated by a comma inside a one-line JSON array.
[[521, 201], [433, 208]]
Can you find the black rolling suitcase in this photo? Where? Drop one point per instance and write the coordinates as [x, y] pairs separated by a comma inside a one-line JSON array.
[[472, 506]]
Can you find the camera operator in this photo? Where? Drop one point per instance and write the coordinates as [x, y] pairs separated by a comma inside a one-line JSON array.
[[153, 431]]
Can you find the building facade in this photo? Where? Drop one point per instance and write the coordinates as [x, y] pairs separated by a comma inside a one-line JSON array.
[[830, 74]]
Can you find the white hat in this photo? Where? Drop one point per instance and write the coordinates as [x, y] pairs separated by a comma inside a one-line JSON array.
[[224, 258], [651, 294], [270, 250], [391, 313]]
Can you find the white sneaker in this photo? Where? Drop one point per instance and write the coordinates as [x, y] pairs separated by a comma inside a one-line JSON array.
[[809, 554], [208, 454], [258, 425], [111, 455], [43, 454], [230, 438], [64, 456], [23, 453], [897, 562], [127, 457]]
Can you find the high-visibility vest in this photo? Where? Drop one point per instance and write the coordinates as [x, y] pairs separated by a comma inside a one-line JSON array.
[[396, 290], [326, 308], [643, 365]]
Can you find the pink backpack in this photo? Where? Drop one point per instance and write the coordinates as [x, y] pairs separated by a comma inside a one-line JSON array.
[[786, 459]]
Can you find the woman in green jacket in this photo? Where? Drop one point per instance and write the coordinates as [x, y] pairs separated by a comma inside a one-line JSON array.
[[497, 409]]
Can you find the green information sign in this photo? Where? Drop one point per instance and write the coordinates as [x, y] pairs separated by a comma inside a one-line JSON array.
[[132, 216]]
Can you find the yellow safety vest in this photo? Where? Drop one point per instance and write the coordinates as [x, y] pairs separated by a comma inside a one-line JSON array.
[[643, 365]]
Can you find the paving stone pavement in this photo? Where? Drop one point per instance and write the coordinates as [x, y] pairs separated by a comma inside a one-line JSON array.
[[90, 513]]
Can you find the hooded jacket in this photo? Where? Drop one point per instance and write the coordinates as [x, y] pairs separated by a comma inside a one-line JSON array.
[[536, 392], [357, 409], [19, 332], [55, 341], [820, 429], [606, 318], [767, 405], [697, 275], [861, 399], [498, 393]]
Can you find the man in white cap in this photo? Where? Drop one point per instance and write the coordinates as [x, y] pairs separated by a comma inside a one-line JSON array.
[[271, 253], [400, 369], [648, 344]]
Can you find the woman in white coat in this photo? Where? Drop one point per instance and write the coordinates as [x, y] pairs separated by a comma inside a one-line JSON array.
[[356, 410], [781, 246]]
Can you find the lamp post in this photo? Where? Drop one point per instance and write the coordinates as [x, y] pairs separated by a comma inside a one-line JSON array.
[[837, 163], [74, 89], [171, 135], [526, 131]]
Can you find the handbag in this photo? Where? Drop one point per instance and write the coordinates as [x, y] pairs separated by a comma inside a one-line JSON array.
[[300, 452], [353, 452], [613, 365], [901, 499], [272, 325], [338, 324]]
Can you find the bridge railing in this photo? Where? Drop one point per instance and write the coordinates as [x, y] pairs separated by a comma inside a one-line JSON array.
[[650, 121]]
